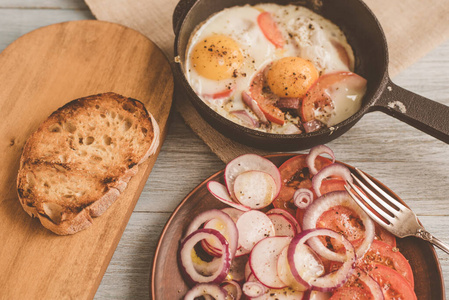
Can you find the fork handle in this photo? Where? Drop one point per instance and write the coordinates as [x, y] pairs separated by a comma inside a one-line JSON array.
[[427, 236]]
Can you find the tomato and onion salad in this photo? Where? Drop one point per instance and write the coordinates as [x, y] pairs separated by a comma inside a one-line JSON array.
[[327, 247]]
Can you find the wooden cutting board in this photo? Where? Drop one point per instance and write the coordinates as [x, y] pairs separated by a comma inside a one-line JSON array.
[[40, 72]]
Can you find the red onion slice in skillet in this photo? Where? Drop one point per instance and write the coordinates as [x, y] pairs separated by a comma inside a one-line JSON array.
[[246, 118], [252, 104]]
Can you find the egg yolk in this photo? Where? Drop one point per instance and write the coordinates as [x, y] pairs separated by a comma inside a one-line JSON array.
[[217, 57], [291, 76]]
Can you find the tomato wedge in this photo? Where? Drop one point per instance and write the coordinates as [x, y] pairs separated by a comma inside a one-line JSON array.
[[295, 174], [265, 103], [270, 29], [320, 100], [381, 253], [394, 286]]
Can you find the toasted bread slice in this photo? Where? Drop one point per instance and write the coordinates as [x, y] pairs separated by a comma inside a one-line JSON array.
[[79, 160]]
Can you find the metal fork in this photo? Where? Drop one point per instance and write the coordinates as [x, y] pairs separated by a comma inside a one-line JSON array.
[[398, 219]]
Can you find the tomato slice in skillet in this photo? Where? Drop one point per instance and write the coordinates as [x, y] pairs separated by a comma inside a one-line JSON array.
[[227, 92], [318, 103], [295, 174], [381, 253], [394, 286], [270, 29], [265, 103]]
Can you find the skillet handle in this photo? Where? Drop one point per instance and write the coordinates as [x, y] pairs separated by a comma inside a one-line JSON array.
[[180, 12], [424, 114]]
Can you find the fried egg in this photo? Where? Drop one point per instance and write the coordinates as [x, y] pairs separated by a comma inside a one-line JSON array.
[[227, 52]]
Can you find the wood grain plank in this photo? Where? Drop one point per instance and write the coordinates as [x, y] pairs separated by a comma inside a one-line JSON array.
[[43, 4], [17, 22]]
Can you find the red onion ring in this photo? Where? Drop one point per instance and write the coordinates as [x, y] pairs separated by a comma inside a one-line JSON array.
[[254, 289], [248, 100], [246, 118], [205, 289], [233, 289], [187, 264], [302, 198], [313, 154], [324, 203], [331, 281], [332, 169], [233, 234], [374, 287]]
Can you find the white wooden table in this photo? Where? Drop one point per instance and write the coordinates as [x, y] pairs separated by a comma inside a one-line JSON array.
[[411, 163]]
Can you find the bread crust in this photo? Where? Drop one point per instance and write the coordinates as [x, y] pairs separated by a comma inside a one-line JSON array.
[[65, 158]]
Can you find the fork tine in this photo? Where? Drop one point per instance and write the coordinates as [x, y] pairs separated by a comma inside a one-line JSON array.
[[379, 200], [381, 191], [369, 202], [364, 207]]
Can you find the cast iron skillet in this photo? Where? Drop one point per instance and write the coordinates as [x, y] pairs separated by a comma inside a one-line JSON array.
[[365, 35]]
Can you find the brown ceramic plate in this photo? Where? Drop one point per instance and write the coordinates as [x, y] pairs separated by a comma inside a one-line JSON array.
[[166, 280]]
